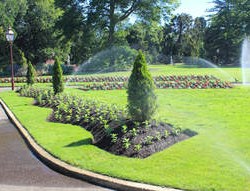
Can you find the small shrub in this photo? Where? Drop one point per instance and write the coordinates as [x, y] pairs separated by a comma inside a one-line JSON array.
[[141, 96], [57, 77], [30, 74]]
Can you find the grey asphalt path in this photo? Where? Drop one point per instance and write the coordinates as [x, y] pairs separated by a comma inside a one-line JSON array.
[[20, 170]]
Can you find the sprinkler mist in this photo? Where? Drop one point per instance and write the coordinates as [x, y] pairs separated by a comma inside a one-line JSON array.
[[245, 61]]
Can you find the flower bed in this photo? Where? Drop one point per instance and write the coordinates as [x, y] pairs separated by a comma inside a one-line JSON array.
[[193, 84], [120, 82], [109, 79], [112, 129]]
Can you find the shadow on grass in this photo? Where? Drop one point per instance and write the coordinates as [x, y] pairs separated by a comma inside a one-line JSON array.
[[80, 143]]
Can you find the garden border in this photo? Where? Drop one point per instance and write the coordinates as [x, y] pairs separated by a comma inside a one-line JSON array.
[[75, 172]]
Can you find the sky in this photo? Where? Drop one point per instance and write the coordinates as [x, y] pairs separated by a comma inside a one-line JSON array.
[[196, 8]]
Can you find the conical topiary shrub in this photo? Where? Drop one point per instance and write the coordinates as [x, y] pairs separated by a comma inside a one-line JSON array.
[[141, 96], [30, 76], [57, 77]]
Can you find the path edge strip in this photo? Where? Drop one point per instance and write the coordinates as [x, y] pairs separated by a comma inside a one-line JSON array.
[[69, 170]]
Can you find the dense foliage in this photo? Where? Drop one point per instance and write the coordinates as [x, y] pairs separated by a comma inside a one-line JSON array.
[[77, 31], [57, 78], [141, 96], [229, 25]]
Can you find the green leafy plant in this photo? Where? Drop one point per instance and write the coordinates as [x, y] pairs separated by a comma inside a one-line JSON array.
[[149, 140], [146, 124], [141, 96], [166, 133], [137, 147], [133, 132], [108, 129], [176, 131], [114, 138], [126, 143], [124, 129], [158, 136]]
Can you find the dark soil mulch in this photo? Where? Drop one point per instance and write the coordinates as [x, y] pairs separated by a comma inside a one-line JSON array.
[[145, 141], [133, 139]]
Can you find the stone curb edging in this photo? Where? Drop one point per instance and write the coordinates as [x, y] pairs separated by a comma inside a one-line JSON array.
[[75, 172]]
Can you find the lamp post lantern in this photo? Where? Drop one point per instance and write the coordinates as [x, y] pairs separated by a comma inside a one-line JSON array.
[[10, 38]]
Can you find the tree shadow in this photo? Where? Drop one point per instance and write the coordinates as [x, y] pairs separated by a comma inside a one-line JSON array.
[[87, 141]]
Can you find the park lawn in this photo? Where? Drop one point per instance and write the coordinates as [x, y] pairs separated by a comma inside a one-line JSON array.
[[218, 158]]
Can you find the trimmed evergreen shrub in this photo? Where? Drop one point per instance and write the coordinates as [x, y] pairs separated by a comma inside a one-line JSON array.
[[141, 96], [57, 77], [30, 74]]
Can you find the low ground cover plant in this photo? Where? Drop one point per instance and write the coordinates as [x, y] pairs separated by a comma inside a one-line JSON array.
[[112, 129]]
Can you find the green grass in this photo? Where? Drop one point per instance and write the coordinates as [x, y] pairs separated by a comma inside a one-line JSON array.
[[218, 158]]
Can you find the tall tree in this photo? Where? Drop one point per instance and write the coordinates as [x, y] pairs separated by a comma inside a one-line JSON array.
[[228, 24], [10, 11], [195, 37], [37, 36], [108, 14], [146, 37], [84, 39], [175, 36]]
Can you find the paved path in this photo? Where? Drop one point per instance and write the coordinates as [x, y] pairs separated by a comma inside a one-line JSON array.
[[20, 170]]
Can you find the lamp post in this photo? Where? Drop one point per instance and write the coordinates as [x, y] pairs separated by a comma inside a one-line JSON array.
[[10, 39]]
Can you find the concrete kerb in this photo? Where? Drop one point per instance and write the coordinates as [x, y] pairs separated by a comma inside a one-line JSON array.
[[75, 172]]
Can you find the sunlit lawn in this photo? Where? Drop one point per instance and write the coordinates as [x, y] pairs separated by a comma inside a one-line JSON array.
[[217, 158]]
